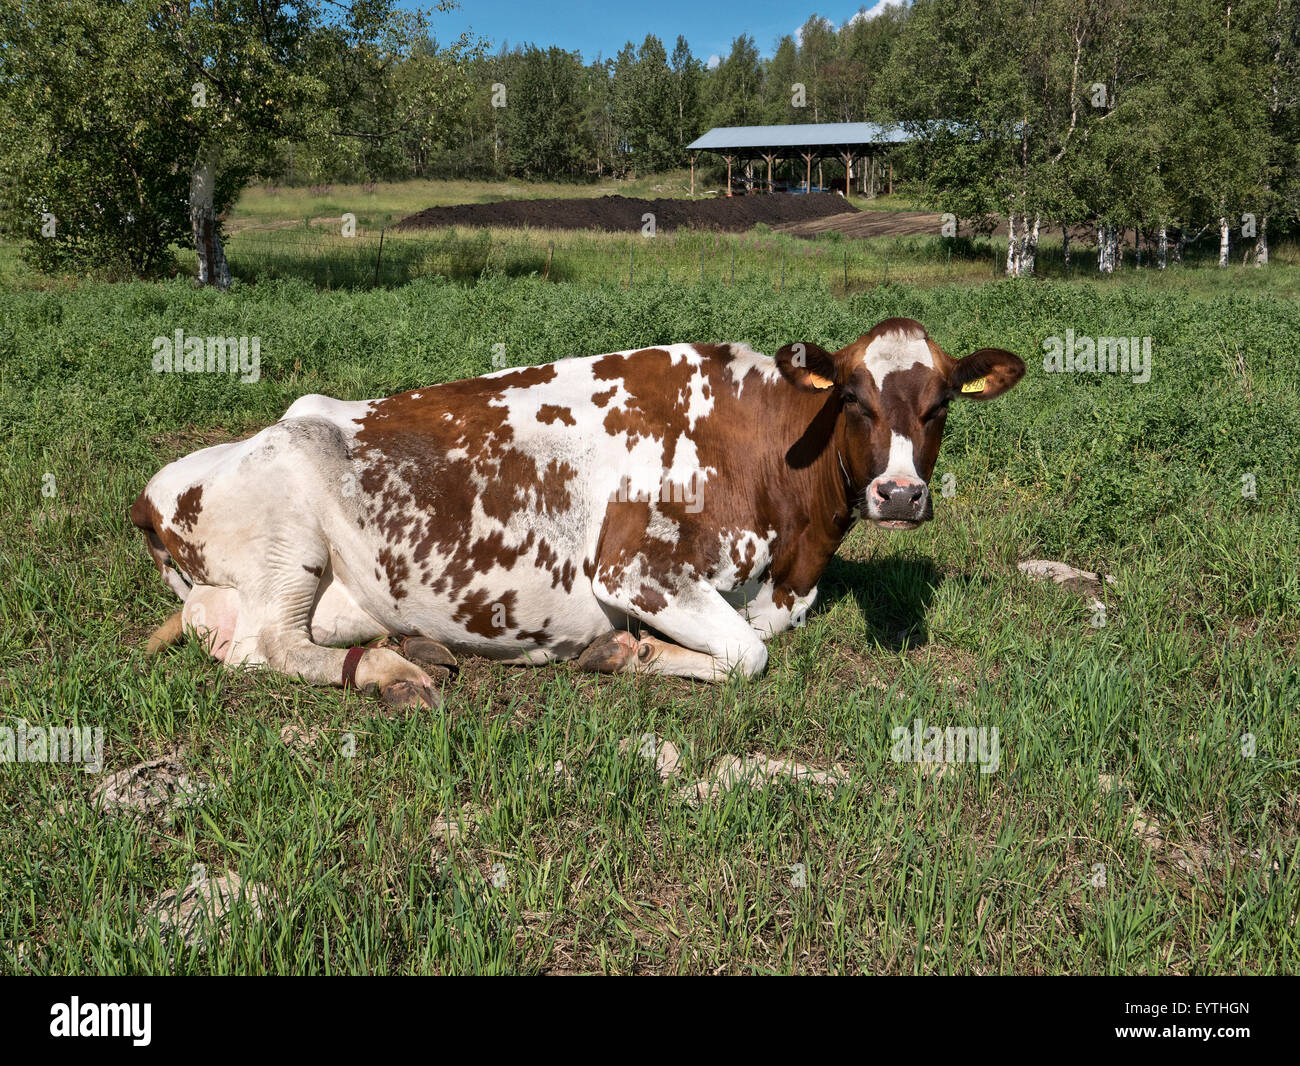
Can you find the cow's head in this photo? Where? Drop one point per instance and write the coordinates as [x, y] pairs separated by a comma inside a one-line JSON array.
[[893, 386]]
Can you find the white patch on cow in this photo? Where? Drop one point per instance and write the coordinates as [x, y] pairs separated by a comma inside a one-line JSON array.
[[756, 601], [340, 412], [895, 350], [752, 547], [661, 527], [745, 361], [902, 460]]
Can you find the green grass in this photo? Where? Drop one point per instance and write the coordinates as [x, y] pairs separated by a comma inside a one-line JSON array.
[[905, 873]]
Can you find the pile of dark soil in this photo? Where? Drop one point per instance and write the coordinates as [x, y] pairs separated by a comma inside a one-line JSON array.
[[620, 213]]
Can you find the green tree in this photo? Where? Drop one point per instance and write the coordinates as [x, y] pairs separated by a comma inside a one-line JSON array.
[[737, 86], [544, 111], [91, 162], [687, 86], [645, 106], [122, 117]]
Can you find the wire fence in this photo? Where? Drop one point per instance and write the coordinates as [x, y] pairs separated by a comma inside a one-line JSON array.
[[388, 258]]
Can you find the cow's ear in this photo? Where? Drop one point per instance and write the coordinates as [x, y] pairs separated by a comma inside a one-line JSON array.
[[985, 374], [806, 366]]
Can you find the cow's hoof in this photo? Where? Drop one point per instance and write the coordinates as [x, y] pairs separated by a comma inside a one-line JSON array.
[[404, 695], [430, 655], [609, 654]]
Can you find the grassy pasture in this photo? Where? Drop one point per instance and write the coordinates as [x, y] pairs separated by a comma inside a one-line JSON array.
[[1124, 830]]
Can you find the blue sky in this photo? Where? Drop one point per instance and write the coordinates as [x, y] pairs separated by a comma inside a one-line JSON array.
[[605, 27]]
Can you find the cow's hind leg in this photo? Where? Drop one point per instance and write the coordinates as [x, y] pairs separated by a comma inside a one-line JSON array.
[[284, 641], [713, 640]]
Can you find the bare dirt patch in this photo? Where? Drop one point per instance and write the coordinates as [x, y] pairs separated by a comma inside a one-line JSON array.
[[625, 214]]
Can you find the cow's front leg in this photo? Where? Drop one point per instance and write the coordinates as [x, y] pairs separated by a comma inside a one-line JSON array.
[[773, 609], [712, 640]]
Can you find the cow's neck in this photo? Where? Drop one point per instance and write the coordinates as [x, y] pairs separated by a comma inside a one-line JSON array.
[[822, 485]]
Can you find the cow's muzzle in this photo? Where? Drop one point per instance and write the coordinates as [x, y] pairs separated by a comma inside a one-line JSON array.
[[898, 502]]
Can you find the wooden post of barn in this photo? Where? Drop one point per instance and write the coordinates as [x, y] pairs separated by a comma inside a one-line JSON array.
[[728, 158], [848, 170], [807, 173], [692, 175]]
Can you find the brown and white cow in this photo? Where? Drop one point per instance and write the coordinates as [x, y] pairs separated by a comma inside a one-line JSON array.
[[536, 514]]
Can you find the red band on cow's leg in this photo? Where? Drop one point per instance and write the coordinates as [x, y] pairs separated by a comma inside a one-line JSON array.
[[350, 666]]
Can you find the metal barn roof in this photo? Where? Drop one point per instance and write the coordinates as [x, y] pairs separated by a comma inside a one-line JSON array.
[[811, 135]]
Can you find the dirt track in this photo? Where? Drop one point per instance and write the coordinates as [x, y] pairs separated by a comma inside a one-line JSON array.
[[621, 213], [868, 224]]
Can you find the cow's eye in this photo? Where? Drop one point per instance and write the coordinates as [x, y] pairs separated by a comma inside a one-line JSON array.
[[937, 411]]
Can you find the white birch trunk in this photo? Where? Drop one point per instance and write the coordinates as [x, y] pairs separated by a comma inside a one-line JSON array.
[[1107, 248], [1028, 250], [1261, 243], [213, 269], [1162, 249], [1223, 242]]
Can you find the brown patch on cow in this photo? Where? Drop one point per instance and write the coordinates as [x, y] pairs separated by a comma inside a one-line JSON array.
[[722, 354], [190, 558], [553, 489], [419, 492], [523, 377], [144, 516], [650, 600], [478, 614], [943, 362], [785, 480], [166, 545], [397, 572], [602, 398], [511, 475], [784, 597], [551, 412], [188, 505], [659, 397], [744, 559]]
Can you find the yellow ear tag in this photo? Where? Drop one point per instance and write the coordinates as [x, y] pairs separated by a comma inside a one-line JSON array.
[[975, 386]]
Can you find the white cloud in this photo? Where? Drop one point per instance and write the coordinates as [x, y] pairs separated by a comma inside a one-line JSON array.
[[866, 14], [714, 61]]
